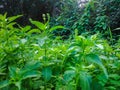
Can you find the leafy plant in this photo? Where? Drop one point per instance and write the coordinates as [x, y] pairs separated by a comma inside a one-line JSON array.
[[16, 75], [32, 54]]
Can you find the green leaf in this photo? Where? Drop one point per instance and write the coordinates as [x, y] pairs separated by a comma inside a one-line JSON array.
[[38, 24], [2, 69], [10, 19], [4, 83], [3, 17], [100, 46], [34, 31], [115, 76], [94, 37], [74, 49], [97, 86], [117, 29], [11, 25], [115, 82], [95, 59], [47, 73], [30, 74], [13, 72], [26, 28], [102, 79], [32, 65], [18, 84], [85, 80], [110, 88], [56, 27], [69, 75]]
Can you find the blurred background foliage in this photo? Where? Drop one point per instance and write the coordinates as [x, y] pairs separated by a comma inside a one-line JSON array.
[[85, 15]]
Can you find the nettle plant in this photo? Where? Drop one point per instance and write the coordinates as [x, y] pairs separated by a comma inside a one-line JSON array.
[[9, 41], [14, 54], [84, 69], [31, 54], [20, 46], [111, 59]]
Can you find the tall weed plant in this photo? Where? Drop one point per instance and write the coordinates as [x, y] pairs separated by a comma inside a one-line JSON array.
[[31, 54]]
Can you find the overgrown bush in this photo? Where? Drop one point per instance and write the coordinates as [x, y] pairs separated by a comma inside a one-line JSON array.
[[34, 54], [69, 12], [95, 16], [30, 54]]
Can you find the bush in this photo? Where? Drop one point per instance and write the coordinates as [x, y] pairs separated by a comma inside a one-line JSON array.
[[30, 54], [99, 16]]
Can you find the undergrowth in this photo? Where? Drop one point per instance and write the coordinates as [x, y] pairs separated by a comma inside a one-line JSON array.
[[30, 59]]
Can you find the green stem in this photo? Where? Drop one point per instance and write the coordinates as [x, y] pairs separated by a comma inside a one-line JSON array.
[[111, 38], [45, 50]]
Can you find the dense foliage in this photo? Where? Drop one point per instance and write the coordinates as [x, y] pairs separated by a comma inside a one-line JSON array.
[[32, 60], [94, 16], [77, 48]]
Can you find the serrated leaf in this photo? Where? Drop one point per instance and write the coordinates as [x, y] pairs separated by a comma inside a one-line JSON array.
[[69, 75], [32, 65], [47, 73], [30, 74], [85, 80], [95, 59], [74, 49]]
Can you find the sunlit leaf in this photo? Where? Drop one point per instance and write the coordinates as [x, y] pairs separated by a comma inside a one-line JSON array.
[[34, 31], [56, 27], [10, 19], [11, 25], [26, 28], [100, 46], [38, 24]]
